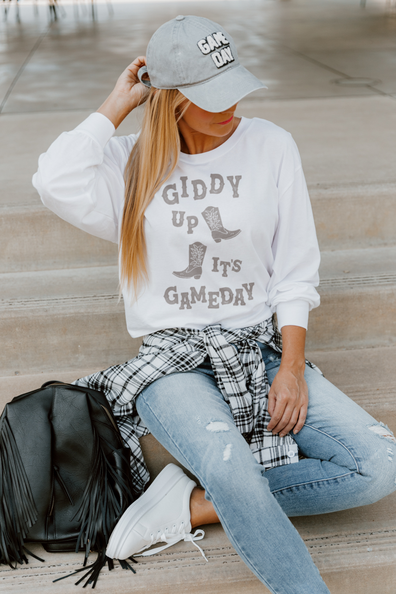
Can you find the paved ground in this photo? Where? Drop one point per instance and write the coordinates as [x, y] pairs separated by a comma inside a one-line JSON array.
[[314, 57], [300, 48]]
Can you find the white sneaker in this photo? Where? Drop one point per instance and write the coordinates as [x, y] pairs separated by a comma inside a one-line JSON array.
[[161, 514]]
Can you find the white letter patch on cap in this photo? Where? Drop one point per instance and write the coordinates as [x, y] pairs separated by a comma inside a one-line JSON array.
[[203, 46], [214, 42]]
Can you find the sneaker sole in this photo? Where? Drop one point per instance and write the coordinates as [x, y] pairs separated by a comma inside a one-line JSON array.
[[162, 484]]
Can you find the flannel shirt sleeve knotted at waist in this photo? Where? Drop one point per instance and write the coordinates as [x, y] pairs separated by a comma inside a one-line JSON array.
[[239, 371]]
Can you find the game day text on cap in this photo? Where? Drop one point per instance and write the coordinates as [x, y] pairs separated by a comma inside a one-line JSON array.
[[212, 44]]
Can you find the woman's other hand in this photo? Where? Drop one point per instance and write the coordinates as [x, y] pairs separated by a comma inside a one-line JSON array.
[[288, 396], [127, 94]]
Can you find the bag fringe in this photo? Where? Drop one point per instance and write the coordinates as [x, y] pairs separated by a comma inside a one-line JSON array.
[[105, 498], [92, 575], [18, 512]]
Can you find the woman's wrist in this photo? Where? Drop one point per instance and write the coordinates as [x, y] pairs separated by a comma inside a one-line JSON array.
[[296, 367], [116, 108], [293, 352]]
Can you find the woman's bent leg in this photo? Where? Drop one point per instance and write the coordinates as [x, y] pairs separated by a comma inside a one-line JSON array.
[[351, 457], [188, 415]]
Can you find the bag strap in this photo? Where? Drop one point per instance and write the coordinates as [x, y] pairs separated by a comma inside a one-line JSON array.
[[52, 382], [93, 393]]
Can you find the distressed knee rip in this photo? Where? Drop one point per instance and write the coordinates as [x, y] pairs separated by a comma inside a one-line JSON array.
[[217, 427], [227, 452], [385, 433], [220, 427]]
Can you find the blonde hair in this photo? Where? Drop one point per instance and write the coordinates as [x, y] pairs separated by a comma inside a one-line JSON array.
[[151, 162]]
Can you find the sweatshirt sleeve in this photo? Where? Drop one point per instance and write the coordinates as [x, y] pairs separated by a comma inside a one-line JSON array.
[[81, 176], [296, 255]]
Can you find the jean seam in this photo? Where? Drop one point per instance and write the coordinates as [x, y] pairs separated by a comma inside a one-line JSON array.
[[313, 482], [236, 545], [339, 442]]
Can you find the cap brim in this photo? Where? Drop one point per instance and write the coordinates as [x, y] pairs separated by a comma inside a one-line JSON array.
[[223, 91]]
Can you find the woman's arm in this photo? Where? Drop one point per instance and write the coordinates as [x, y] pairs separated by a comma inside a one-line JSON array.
[[288, 396], [296, 256], [81, 176], [292, 292]]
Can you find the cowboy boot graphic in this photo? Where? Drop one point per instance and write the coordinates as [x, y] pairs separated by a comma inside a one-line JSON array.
[[196, 255], [211, 214]]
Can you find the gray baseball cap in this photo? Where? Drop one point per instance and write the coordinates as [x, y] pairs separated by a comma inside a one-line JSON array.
[[199, 58]]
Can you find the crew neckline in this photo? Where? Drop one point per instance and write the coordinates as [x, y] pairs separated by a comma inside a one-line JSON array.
[[220, 150]]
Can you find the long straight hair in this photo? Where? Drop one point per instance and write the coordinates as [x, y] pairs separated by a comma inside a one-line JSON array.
[[151, 162]]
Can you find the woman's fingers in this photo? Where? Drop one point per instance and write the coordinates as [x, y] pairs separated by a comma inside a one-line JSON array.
[[292, 422], [129, 78], [301, 419], [284, 419], [271, 405], [276, 406], [135, 66]]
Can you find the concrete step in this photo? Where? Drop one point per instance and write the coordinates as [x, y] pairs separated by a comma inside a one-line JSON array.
[[342, 140], [348, 214], [358, 299], [33, 238], [354, 215], [354, 550], [64, 319], [346, 368], [28, 135]]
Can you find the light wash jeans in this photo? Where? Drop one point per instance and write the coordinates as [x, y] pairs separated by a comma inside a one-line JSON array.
[[350, 462]]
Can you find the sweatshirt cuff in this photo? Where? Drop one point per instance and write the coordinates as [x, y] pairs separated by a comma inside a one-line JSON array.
[[98, 127], [293, 313]]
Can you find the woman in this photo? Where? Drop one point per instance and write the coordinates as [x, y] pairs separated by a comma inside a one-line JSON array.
[[216, 235]]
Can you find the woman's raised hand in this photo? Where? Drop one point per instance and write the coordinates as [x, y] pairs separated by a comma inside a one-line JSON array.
[[127, 94]]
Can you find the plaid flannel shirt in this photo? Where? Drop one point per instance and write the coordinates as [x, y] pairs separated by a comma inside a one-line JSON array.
[[239, 371]]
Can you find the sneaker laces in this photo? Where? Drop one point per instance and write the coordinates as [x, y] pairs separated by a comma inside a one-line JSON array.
[[171, 538]]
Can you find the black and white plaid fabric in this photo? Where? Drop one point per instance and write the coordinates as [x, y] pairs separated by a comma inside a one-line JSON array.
[[239, 371]]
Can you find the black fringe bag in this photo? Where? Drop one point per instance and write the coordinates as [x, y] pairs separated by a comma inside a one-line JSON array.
[[64, 475]]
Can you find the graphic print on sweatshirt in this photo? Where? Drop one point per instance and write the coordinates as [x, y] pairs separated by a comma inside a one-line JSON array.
[[199, 258], [196, 255]]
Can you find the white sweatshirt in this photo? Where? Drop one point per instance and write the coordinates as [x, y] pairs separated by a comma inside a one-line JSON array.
[[230, 236]]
